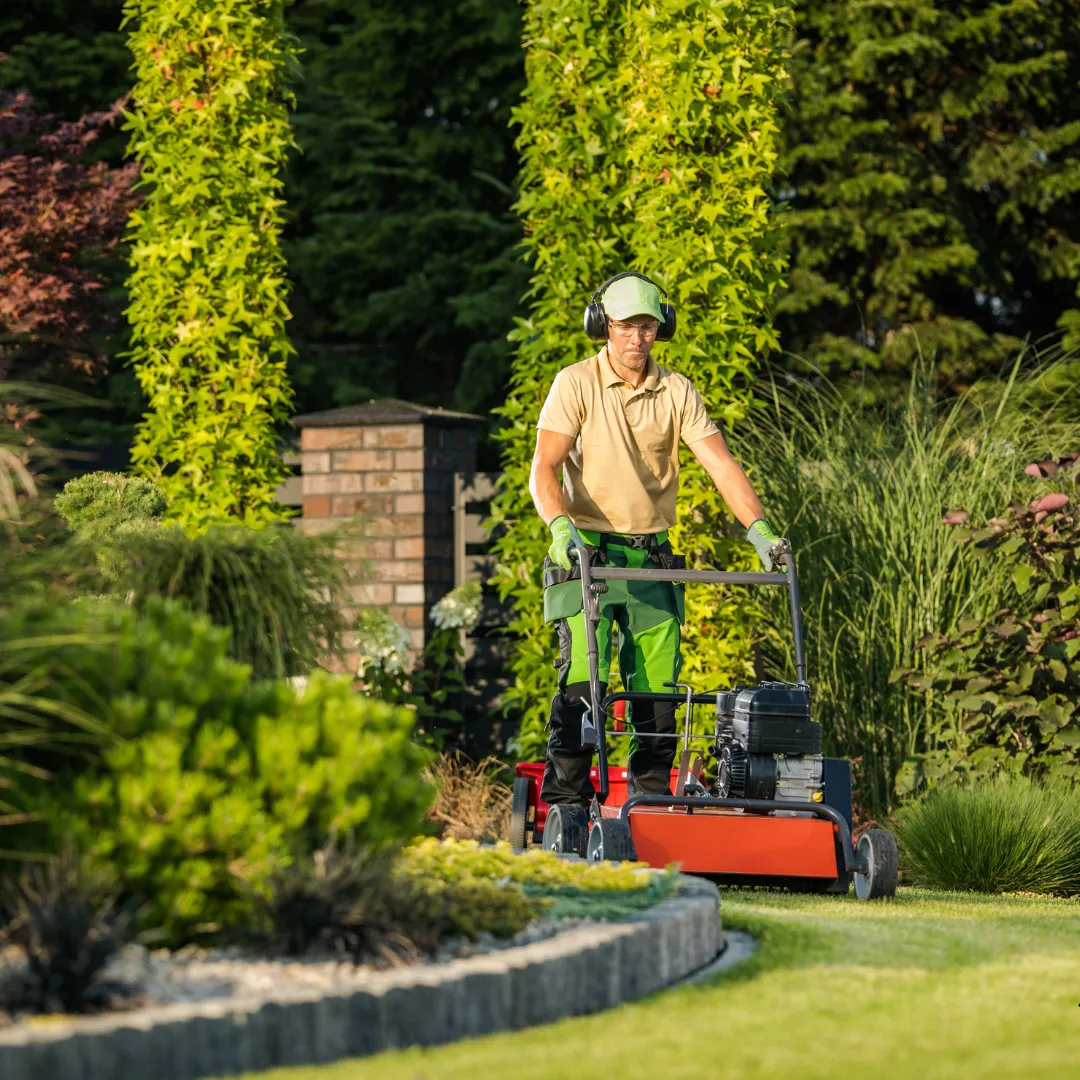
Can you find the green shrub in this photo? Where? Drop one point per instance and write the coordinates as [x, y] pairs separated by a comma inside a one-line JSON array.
[[453, 891], [534, 869], [372, 904], [648, 134], [1006, 834], [209, 127], [1005, 691], [96, 505], [861, 492], [205, 783], [276, 589]]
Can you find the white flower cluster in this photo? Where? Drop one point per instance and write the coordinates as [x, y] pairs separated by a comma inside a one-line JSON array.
[[460, 608], [382, 642]]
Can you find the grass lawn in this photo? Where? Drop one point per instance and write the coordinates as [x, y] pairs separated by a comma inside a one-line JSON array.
[[929, 984]]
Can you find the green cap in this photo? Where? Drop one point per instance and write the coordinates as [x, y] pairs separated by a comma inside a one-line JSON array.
[[630, 296]]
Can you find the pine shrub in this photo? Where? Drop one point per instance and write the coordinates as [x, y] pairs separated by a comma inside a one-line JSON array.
[[203, 783], [648, 133], [1006, 834], [209, 126], [95, 506]]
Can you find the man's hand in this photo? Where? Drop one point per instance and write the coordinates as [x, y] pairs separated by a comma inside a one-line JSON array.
[[766, 543], [564, 538]]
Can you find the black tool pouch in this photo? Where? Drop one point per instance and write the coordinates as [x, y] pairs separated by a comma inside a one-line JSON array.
[[670, 561], [562, 588], [667, 559]]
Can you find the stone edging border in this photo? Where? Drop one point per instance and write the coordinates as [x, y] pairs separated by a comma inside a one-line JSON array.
[[578, 972]]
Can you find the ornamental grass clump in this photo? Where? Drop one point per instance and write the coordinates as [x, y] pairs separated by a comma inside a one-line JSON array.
[[472, 802], [1007, 834], [276, 589], [861, 491], [68, 924]]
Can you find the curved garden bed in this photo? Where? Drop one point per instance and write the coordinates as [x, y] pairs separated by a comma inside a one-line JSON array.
[[582, 970]]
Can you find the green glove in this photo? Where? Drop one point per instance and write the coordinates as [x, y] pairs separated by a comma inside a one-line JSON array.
[[765, 542], [564, 537]]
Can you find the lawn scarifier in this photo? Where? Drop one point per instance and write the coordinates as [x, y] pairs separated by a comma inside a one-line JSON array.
[[781, 812]]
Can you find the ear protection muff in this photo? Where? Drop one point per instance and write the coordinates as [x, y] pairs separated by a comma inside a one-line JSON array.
[[596, 324]]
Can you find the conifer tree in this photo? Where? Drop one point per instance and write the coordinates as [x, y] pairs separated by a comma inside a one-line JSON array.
[[403, 245], [931, 162]]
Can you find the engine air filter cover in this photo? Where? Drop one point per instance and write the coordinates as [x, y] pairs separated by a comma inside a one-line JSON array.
[[774, 718]]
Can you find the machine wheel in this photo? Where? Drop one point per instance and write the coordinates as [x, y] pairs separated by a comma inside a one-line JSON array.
[[519, 814], [610, 839], [877, 852], [566, 829]]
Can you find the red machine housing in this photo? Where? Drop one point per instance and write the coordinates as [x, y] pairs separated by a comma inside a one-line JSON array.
[[728, 844]]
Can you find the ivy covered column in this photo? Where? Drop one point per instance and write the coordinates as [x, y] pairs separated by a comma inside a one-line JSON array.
[[210, 130], [648, 136]]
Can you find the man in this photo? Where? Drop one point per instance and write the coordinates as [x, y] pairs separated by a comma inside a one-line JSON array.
[[613, 423]]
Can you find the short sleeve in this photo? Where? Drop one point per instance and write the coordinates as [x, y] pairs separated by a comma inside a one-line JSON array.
[[696, 424], [563, 411]]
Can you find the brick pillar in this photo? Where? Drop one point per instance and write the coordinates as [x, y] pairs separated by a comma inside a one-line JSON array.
[[391, 463]]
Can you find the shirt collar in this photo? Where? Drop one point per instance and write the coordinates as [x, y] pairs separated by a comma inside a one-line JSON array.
[[610, 378]]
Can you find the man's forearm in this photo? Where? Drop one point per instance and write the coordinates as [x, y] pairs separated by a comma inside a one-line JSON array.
[[729, 478], [547, 493], [737, 491], [742, 499]]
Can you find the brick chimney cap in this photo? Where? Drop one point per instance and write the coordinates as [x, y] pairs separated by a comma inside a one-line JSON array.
[[387, 411]]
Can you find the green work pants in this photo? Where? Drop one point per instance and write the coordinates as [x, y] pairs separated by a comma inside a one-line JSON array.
[[649, 616]]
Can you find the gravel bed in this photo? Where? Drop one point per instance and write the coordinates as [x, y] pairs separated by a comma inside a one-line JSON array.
[[143, 976]]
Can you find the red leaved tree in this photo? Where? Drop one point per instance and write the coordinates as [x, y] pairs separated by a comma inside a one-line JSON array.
[[60, 215]]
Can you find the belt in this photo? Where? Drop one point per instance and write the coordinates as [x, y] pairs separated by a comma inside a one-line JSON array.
[[642, 542]]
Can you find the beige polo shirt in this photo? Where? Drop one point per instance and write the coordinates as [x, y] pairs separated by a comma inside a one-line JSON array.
[[622, 475]]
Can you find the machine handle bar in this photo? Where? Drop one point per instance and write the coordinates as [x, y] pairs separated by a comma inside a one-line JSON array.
[[709, 577], [593, 727], [648, 695]]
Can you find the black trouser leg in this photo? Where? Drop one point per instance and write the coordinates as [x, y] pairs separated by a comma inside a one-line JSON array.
[[649, 768], [566, 768]]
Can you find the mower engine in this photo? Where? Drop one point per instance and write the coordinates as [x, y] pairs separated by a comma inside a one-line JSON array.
[[767, 747]]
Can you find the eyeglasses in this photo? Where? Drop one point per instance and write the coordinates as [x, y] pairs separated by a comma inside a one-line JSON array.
[[647, 330]]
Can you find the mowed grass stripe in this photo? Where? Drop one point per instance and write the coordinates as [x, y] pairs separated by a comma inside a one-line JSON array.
[[930, 984]]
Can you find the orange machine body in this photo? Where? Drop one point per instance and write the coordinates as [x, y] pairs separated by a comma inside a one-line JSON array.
[[721, 843], [726, 842]]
